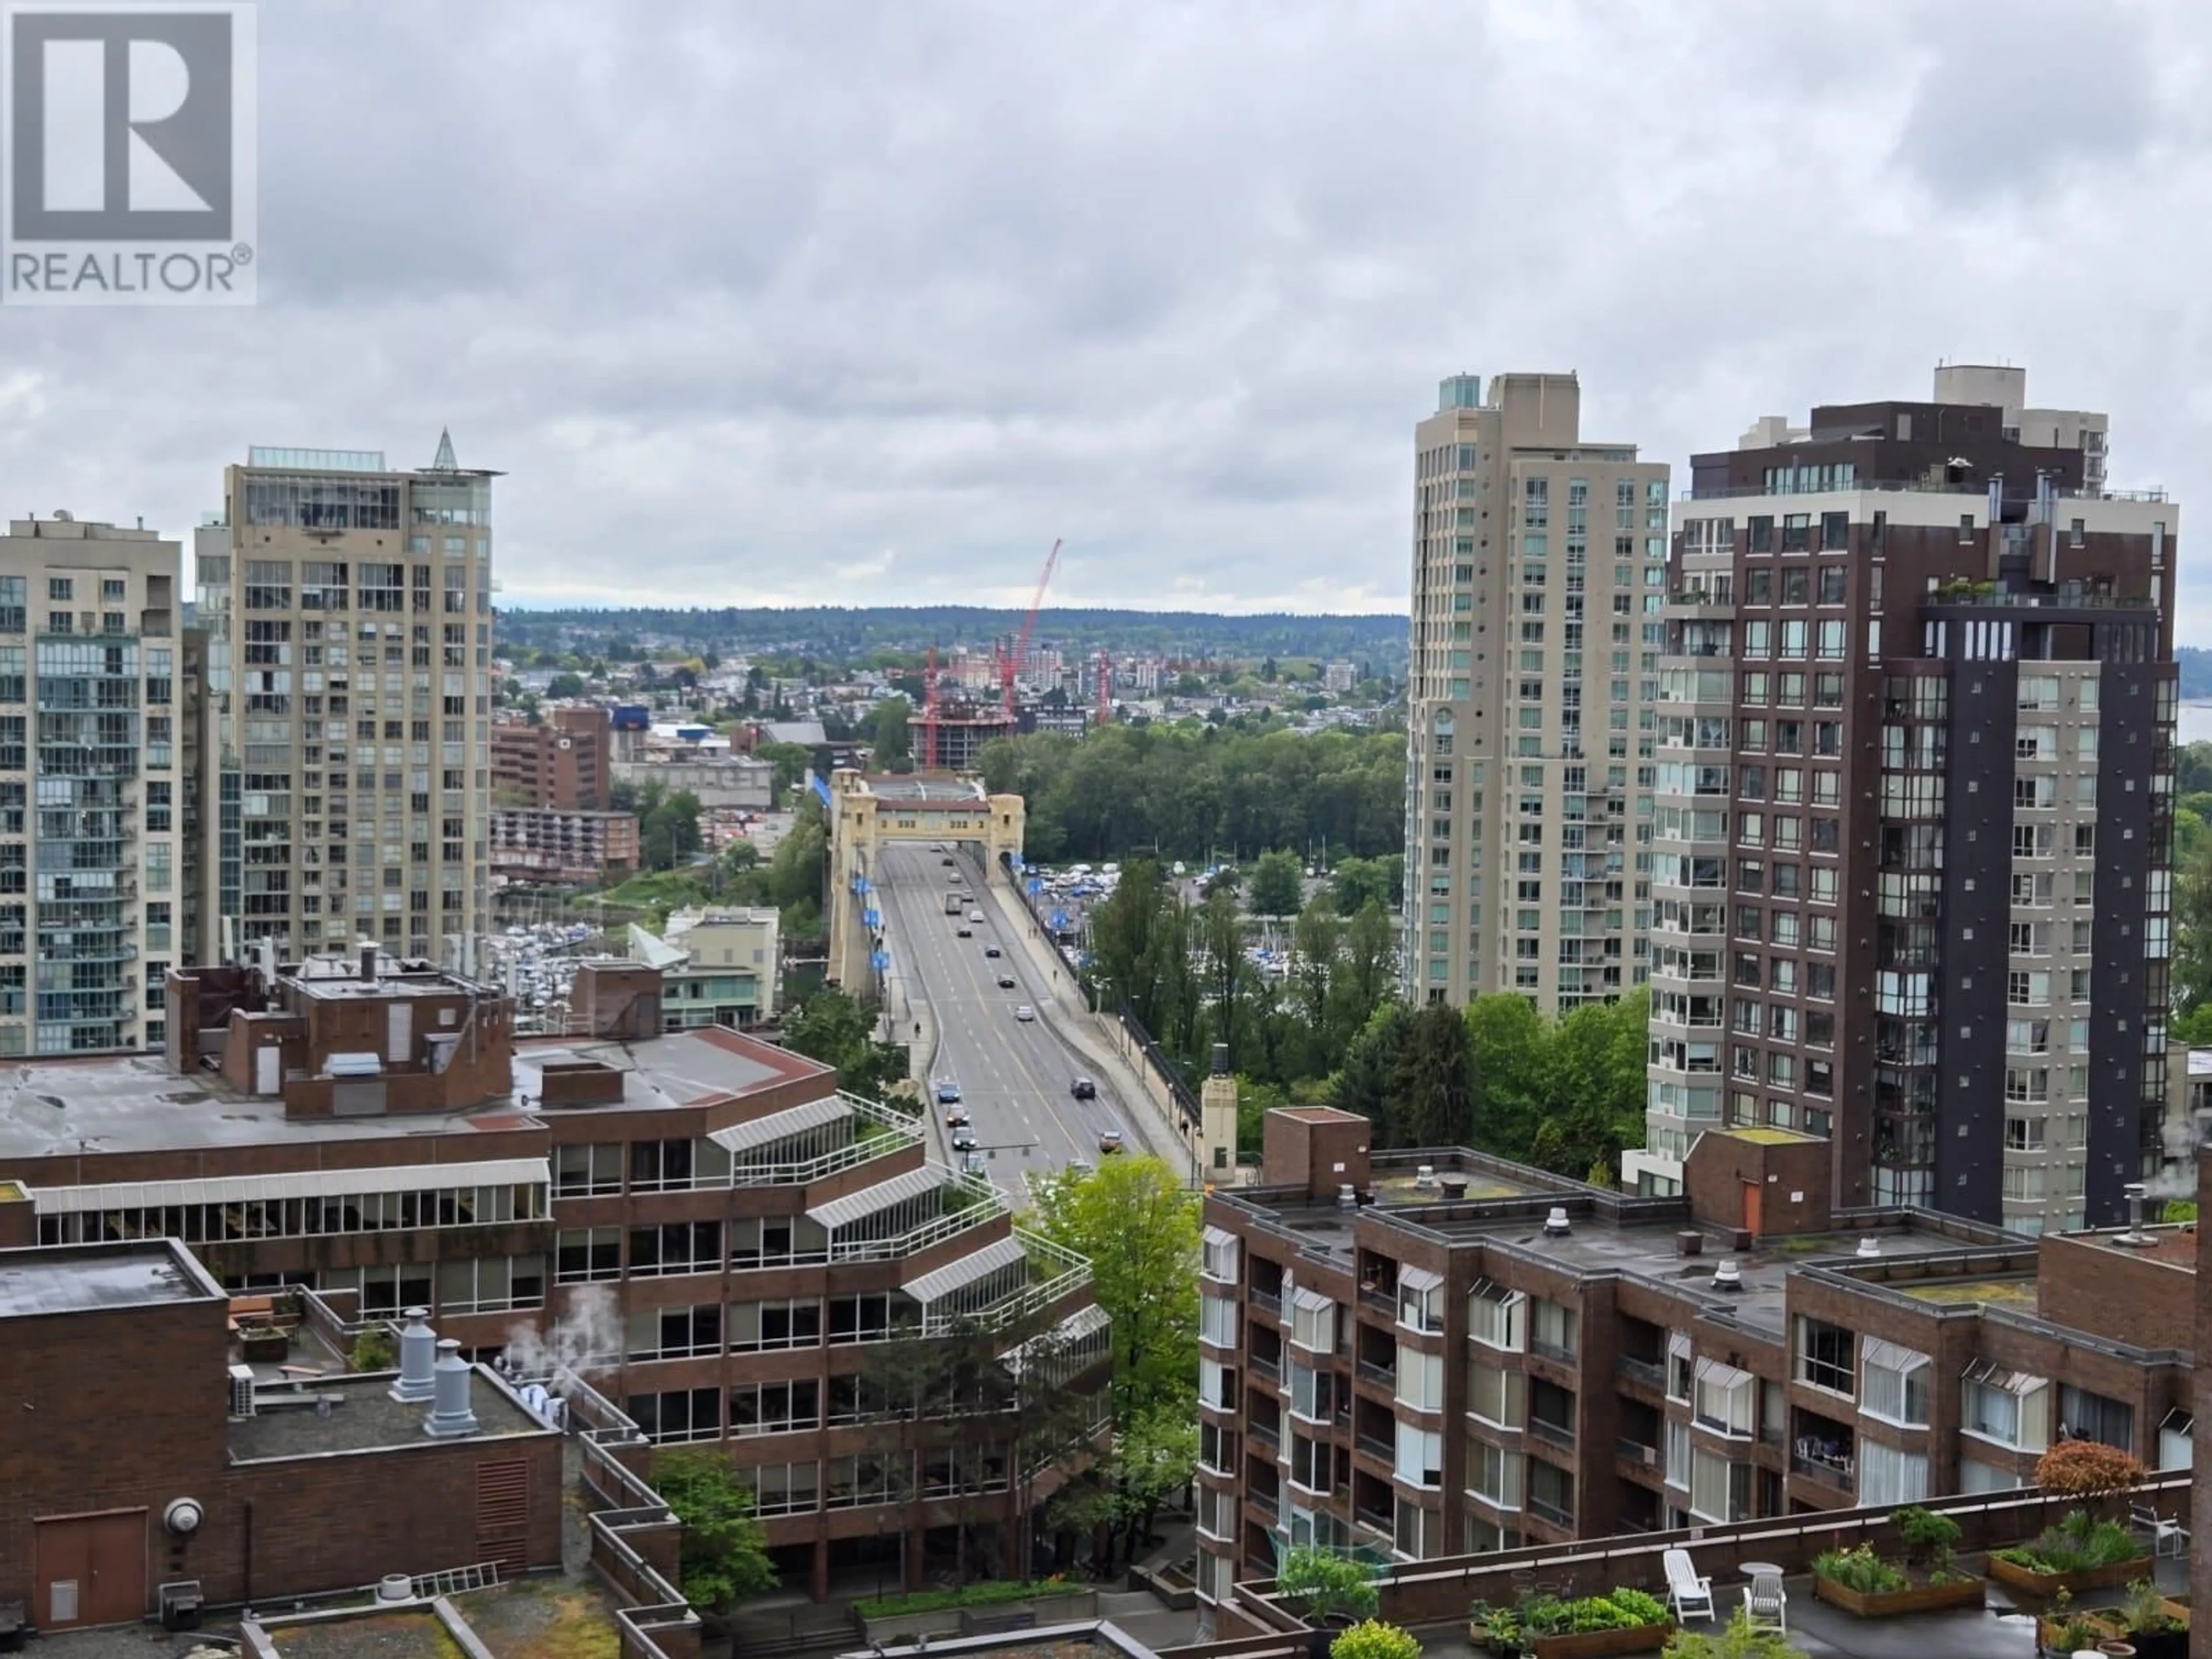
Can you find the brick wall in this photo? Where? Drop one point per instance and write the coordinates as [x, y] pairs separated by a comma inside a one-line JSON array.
[[2143, 1298]]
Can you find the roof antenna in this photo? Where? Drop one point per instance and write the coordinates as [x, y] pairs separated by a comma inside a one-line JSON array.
[[444, 461]]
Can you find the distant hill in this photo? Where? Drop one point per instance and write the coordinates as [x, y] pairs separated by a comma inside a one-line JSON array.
[[2196, 671], [1376, 640]]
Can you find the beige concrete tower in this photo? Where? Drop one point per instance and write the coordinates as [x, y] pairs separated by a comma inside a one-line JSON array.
[[348, 607], [1539, 567]]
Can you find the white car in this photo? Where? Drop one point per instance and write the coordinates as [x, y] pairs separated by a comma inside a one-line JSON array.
[[1025, 1013], [975, 915]]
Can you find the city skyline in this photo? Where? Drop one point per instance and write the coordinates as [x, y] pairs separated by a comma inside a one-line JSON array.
[[1185, 351]]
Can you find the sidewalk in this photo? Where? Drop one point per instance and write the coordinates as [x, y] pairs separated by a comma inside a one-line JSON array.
[[1069, 1018]]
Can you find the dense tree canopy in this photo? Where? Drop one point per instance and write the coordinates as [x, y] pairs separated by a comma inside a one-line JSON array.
[[1194, 794]]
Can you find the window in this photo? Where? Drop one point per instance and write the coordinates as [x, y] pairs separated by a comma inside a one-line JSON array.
[[1887, 1476], [1722, 1399], [1496, 1394], [680, 1414], [675, 1333], [1896, 1385], [2087, 1416], [1218, 1255], [774, 1407], [1420, 1461], [1827, 1356], [494, 1283], [1311, 1462], [1498, 1317], [784, 1323], [1217, 1447], [1313, 1393], [784, 1488], [1554, 1329], [585, 1171], [1216, 1385], [1313, 1321], [587, 1253], [1720, 1491], [1421, 1301], [676, 1247], [2008, 1407], [1421, 1382], [1216, 1321], [1493, 1474]]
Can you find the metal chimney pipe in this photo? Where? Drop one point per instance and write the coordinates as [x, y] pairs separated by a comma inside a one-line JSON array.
[[368, 964], [418, 1357], [451, 1415]]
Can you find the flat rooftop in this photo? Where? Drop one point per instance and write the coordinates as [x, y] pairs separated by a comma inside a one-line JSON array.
[[136, 1103], [97, 1279], [942, 792], [364, 1417]]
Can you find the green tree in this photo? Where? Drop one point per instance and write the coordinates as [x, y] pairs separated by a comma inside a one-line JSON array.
[[1224, 967], [832, 1027], [1431, 1086], [1315, 941], [1278, 884], [791, 760], [1364, 1083], [724, 1557], [1138, 1226], [568, 685], [1355, 881], [668, 828], [1365, 979], [2192, 940], [1595, 1085], [1510, 1047], [1155, 1457], [1124, 955], [893, 751]]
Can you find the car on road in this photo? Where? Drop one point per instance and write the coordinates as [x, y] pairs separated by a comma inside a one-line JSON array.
[[991, 951], [1025, 1013], [964, 930], [1083, 1089], [975, 915], [1005, 982], [956, 1117], [1081, 1166], [947, 863], [1110, 1140], [948, 1092], [964, 1140]]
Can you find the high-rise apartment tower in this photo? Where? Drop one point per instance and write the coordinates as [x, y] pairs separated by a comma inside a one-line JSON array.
[[348, 605], [1538, 567], [94, 776], [1912, 869]]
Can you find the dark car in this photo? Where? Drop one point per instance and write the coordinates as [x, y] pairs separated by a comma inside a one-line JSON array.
[[1083, 1089], [1005, 982], [947, 863], [991, 951], [964, 1140], [1110, 1140], [948, 1092], [964, 930]]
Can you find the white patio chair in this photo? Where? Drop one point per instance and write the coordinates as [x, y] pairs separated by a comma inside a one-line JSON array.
[[1690, 1596], [2166, 1536], [1766, 1604]]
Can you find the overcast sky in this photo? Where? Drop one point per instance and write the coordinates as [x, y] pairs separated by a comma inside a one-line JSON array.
[[825, 302]]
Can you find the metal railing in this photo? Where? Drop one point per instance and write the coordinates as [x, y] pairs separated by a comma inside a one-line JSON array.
[[1385, 1375], [1544, 1509], [1650, 1372], [1559, 1434], [895, 1132], [1267, 1302]]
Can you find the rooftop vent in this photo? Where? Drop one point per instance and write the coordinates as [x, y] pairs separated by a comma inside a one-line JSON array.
[[418, 1358], [1347, 1197], [1728, 1277], [452, 1416], [1221, 1060], [1869, 1247], [2134, 1238], [1425, 1177], [1454, 1186], [395, 1586], [1555, 1224], [1689, 1242], [241, 1390]]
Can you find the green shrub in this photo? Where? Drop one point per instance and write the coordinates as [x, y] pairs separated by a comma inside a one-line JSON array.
[[1372, 1638], [374, 1350], [1928, 1537], [2076, 1544], [1859, 1570], [980, 1594], [1622, 1609], [2144, 1611], [1322, 1581], [1738, 1640]]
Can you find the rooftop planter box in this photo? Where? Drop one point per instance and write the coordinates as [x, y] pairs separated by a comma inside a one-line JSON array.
[[1959, 1590], [2080, 1553], [1591, 1627], [2029, 1582], [1603, 1643]]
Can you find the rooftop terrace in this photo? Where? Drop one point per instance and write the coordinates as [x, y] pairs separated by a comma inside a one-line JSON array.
[[364, 1417], [95, 1278]]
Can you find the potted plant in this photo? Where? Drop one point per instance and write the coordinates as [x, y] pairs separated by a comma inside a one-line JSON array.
[[2080, 1553], [1865, 1585], [1372, 1638], [1332, 1591], [2155, 1627], [1583, 1627]]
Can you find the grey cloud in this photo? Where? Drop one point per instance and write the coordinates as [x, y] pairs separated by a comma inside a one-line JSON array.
[[742, 295]]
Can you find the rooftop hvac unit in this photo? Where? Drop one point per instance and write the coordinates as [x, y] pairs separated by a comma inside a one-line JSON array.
[[241, 1390]]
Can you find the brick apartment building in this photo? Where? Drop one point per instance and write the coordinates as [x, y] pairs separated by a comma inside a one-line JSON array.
[[1426, 1354], [546, 844], [1911, 871], [723, 1238], [566, 763], [132, 1459]]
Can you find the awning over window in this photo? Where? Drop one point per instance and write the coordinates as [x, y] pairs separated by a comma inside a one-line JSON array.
[[968, 1270], [1312, 1301], [1418, 1278], [781, 1125], [1219, 1236], [1678, 1344], [1719, 1376], [856, 1206], [1489, 1289], [1987, 1373], [2179, 1422], [293, 1184], [1892, 1356]]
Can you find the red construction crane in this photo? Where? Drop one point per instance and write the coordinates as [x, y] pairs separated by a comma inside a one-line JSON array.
[[1105, 689], [1007, 665], [929, 715]]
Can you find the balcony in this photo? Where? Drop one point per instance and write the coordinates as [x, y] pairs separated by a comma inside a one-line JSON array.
[[1376, 1448], [1262, 1434], [1544, 1509], [1382, 1376], [1649, 1373], [1265, 1371], [1550, 1351], [1824, 1465], [1558, 1434], [1268, 1303]]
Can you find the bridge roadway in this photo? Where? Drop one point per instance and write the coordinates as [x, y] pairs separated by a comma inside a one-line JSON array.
[[1015, 1076]]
